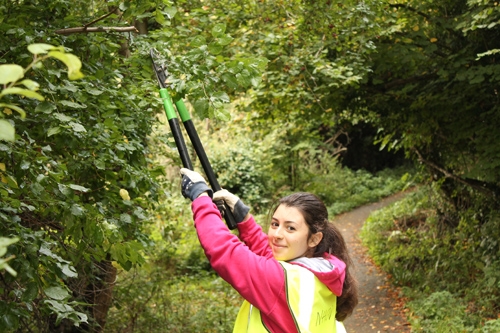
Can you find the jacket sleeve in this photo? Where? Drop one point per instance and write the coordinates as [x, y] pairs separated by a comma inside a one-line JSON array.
[[252, 235], [258, 279]]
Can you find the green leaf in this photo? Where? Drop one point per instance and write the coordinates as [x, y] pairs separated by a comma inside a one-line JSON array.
[[73, 104], [171, 11], [99, 164], [230, 81], [201, 107], [62, 117], [10, 73], [243, 79], [221, 96], [45, 107], [57, 293], [78, 188], [30, 293], [125, 218], [218, 30], [159, 17], [71, 61], [11, 181], [68, 270], [77, 210], [4, 242], [41, 48], [30, 84], [225, 40], [23, 92], [215, 48], [222, 114], [9, 321], [94, 92], [14, 107], [198, 41], [77, 127], [53, 131], [7, 132]]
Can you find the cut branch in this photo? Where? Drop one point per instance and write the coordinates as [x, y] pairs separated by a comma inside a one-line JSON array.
[[84, 30]]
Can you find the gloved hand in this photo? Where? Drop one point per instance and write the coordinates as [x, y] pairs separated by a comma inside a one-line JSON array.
[[193, 184], [238, 208]]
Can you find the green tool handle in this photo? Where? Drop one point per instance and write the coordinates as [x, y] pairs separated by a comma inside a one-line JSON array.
[[175, 128], [198, 147]]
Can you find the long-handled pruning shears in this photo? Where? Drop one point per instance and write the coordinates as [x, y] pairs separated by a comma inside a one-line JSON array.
[[161, 74]]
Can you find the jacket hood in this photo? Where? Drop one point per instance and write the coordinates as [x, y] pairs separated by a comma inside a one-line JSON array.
[[329, 269]]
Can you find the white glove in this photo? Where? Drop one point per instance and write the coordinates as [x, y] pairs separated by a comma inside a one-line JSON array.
[[238, 208], [193, 184]]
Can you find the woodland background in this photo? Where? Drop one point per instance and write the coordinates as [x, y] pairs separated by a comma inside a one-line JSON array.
[[351, 100]]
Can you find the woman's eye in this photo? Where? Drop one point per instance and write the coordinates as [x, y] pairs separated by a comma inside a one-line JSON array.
[[291, 228]]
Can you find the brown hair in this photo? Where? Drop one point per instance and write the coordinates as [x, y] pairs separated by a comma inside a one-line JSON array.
[[316, 215]]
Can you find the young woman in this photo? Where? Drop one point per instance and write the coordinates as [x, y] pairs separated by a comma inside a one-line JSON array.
[[294, 279]]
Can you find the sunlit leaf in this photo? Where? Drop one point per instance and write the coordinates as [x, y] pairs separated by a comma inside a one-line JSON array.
[[30, 84], [53, 131], [71, 61], [40, 48], [78, 188], [218, 30], [214, 48], [198, 41], [58, 293], [159, 17], [225, 40], [7, 132], [10, 73], [22, 92]]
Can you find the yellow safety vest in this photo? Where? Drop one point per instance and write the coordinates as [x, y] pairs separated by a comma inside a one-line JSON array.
[[312, 305]]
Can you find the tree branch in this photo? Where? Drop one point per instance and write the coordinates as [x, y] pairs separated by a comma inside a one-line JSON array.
[[397, 5], [100, 18], [413, 79], [85, 30], [476, 184]]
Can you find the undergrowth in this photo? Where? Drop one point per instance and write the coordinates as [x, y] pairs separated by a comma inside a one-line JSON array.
[[176, 290], [450, 271]]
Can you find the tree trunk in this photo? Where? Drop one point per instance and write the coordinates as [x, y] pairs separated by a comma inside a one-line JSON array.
[[103, 293]]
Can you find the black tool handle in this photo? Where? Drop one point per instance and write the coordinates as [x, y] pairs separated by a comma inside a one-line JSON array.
[[209, 172], [179, 142]]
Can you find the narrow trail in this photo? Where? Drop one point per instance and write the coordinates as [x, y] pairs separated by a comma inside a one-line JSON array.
[[379, 309]]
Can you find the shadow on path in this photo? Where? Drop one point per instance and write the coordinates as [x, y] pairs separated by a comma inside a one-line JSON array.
[[379, 309]]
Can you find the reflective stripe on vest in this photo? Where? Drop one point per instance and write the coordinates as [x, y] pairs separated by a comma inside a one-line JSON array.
[[311, 303]]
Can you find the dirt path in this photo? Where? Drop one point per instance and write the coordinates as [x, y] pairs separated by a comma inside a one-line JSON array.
[[379, 309]]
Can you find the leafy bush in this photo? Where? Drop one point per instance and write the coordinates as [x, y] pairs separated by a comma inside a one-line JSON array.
[[428, 255], [440, 312], [176, 290], [343, 189], [491, 326]]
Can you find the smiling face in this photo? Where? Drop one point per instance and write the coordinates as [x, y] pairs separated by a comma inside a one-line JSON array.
[[288, 234]]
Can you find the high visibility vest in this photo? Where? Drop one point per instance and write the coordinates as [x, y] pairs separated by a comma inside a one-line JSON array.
[[312, 305]]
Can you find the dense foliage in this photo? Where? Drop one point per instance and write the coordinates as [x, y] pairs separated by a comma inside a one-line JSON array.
[[78, 179], [176, 288], [82, 195], [449, 272]]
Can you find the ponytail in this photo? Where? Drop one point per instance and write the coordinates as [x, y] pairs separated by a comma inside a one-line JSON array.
[[333, 243]]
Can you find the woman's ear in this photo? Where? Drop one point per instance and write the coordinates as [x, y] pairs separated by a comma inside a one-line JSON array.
[[315, 239]]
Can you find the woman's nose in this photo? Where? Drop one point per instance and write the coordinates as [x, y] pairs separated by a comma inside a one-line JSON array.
[[278, 233]]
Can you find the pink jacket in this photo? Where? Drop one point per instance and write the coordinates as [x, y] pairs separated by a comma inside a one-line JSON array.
[[250, 267]]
